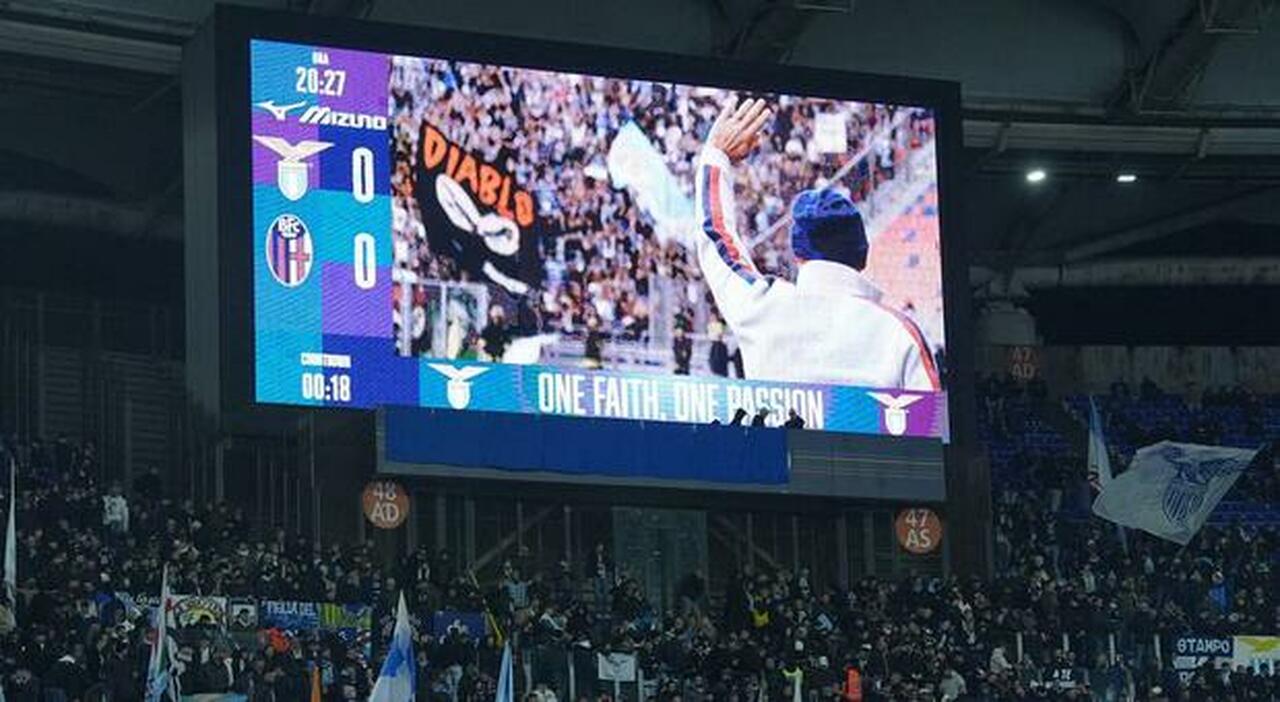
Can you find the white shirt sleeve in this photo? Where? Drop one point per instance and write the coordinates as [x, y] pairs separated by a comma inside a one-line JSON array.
[[739, 288], [919, 371]]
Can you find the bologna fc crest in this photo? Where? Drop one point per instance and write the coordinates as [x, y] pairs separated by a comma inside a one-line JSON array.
[[289, 250], [291, 170]]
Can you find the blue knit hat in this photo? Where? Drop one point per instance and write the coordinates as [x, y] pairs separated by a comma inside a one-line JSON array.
[[826, 226]]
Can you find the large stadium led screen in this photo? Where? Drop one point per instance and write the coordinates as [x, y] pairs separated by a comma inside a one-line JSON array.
[[433, 232]]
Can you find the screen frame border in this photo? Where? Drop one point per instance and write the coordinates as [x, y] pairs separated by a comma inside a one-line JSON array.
[[234, 27]]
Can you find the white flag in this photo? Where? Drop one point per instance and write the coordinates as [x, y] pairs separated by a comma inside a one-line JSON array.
[[398, 680], [634, 162], [162, 678], [506, 677], [1170, 488], [1098, 462], [618, 667]]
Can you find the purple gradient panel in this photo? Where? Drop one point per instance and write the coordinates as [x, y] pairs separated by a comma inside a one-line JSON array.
[[378, 375], [368, 77], [264, 159], [925, 417], [351, 311]]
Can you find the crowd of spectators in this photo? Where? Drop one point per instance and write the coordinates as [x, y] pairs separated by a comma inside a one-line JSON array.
[[600, 255], [1075, 609]]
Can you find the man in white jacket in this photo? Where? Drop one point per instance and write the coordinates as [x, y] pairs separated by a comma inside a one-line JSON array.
[[829, 326]]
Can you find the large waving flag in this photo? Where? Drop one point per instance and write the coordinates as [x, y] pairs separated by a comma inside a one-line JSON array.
[[1098, 462], [398, 680], [506, 678], [1170, 489], [161, 679], [634, 162]]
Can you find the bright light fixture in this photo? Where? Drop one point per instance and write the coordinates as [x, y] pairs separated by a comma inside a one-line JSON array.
[[1036, 175], [1126, 178]]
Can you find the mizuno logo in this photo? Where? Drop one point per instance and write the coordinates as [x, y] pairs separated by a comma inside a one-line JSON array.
[[280, 112], [327, 116]]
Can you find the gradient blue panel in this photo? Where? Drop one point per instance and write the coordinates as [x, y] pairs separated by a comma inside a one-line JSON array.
[[854, 411], [279, 368], [352, 311], [335, 172], [497, 388], [278, 307], [334, 219], [378, 375], [272, 70]]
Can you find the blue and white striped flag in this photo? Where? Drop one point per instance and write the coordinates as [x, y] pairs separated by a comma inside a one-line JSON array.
[[506, 678], [162, 679], [1170, 489], [398, 680], [1098, 462]]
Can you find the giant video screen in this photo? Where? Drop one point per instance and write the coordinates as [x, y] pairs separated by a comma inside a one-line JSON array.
[[430, 232]]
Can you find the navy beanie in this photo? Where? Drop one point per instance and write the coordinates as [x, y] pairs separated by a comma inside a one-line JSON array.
[[826, 226]]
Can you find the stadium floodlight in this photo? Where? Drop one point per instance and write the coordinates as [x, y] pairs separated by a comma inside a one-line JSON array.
[[1126, 178], [1036, 175]]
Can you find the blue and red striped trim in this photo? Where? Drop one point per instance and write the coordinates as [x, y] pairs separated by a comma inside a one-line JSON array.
[[715, 228], [926, 356]]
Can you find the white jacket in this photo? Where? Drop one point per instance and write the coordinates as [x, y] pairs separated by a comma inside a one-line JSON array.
[[827, 327]]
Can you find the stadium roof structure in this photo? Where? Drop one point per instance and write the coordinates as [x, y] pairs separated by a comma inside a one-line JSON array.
[[1180, 94]]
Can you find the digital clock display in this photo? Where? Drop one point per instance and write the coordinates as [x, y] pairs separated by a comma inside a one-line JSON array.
[[334, 388]]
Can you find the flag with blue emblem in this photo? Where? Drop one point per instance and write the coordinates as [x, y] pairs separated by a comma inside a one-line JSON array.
[[398, 680], [1170, 489]]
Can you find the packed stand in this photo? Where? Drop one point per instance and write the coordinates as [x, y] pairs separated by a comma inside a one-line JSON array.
[[1068, 590]]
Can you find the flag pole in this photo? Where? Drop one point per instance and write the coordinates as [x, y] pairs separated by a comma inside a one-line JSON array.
[[1099, 463], [498, 638], [160, 678], [398, 678], [11, 542]]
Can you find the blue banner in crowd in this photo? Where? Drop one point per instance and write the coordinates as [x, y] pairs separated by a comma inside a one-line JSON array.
[[289, 615], [1214, 646], [471, 623]]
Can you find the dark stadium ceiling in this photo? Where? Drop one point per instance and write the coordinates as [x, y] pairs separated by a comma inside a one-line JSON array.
[[1183, 93]]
